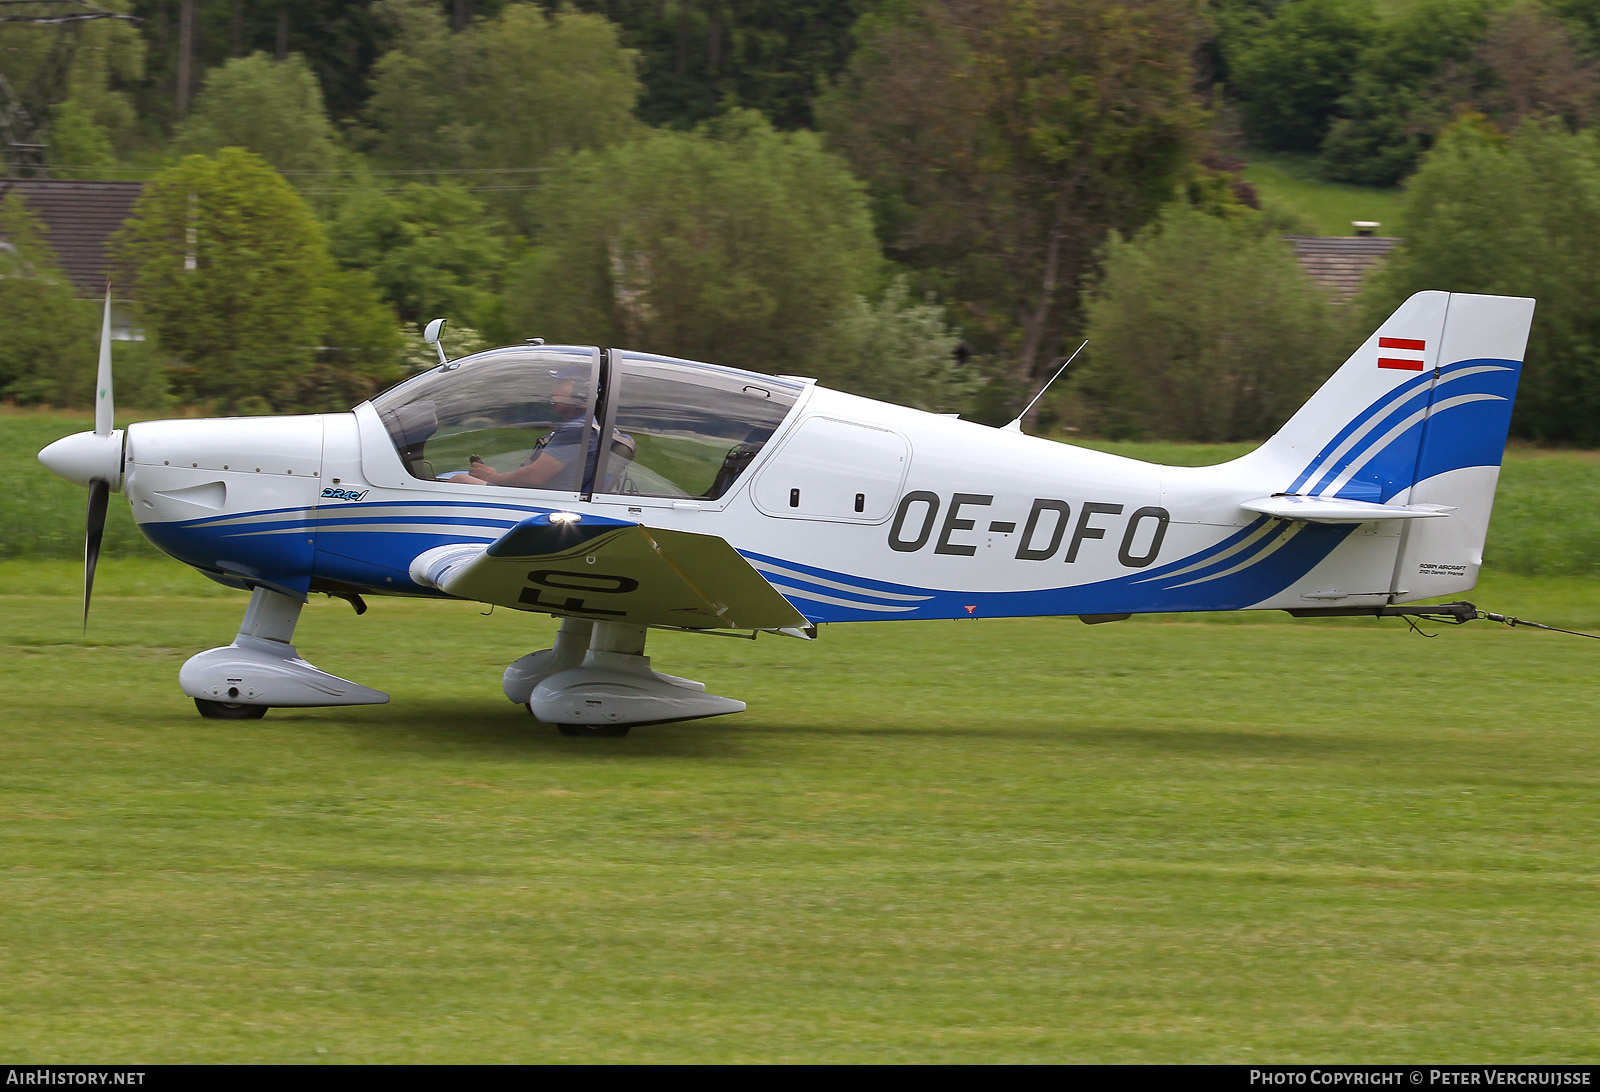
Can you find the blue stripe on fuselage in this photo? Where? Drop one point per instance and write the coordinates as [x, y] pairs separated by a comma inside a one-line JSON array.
[[292, 546], [1262, 574]]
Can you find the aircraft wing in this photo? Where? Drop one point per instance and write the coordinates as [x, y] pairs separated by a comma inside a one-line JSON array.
[[610, 570]]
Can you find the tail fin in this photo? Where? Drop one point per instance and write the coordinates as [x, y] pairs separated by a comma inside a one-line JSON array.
[[1418, 415]]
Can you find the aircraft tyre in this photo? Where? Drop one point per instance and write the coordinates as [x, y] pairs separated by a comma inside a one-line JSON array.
[[594, 731], [229, 710]]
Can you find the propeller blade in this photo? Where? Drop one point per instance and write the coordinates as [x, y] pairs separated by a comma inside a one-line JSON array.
[[99, 499], [102, 383]]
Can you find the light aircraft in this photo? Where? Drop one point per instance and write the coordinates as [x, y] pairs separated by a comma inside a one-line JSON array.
[[621, 492]]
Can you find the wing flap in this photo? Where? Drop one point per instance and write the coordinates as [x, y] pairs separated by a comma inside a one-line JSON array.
[[611, 570], [1339, 509]]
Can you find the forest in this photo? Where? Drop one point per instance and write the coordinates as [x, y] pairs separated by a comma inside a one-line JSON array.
[[927, 201]]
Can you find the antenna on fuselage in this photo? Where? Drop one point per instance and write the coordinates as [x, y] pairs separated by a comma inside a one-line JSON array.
[[1016, 426], [431, 336]]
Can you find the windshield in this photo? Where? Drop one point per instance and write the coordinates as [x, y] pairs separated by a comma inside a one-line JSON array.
[[504, 408], [526, 417]]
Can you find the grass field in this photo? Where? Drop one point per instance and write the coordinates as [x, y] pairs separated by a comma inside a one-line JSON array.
[[1289, 183], [1175, 839], [1164, 840]]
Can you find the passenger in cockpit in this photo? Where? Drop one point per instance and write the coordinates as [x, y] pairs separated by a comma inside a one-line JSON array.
[[557, 460]]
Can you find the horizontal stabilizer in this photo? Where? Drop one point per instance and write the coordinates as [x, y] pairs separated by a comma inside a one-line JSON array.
[[1339, 509], [610, 570]]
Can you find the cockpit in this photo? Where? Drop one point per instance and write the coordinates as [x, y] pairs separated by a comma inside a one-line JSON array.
[[585, 420]]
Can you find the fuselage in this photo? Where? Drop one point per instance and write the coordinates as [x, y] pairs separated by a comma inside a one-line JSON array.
[[853, 509]]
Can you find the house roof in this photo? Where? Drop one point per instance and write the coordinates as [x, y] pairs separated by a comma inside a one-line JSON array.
[[1339, 262], [79, 218]]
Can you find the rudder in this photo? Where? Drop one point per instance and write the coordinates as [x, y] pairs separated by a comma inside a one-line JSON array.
[[1463, 444], [1417, 416]]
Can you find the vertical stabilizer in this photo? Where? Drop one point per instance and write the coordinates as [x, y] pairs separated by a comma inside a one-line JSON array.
[[1418, 415]]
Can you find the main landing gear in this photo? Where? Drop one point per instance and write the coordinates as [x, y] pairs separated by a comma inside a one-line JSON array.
[[597, 681], [261, 669]]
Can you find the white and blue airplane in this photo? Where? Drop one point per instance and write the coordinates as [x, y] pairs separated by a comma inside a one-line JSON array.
[[621, 492]]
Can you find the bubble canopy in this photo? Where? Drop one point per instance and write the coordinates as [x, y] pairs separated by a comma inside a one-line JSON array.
[[534, 417]]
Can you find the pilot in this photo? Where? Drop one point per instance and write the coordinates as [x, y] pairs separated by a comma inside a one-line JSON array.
[[557, 461]]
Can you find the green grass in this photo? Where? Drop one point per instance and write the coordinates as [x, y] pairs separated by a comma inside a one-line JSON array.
[[1288, 182], [1170, 452], [40, 514], [1158, 841], [1546, 513]]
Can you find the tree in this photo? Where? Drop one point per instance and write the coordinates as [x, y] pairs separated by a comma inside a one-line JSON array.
[[1518, 216], [698, 58], [431, 250], [273, 108], [48, 353], [1289, 72], [79, 148], [1004, 139], [360, 350], [340, 42], [233, 274], [898, 350], [1204, 329], [1392, 112], [732, 243], [513, 94], [1529, 65], [1581, 17], [88, 64]]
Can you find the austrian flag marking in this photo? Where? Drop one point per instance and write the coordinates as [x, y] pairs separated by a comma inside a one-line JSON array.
[[1404, 344]]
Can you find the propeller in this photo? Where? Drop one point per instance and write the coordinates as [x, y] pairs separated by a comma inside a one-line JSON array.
[[99, 499], [93, 459], [99, 488], [102, 383]]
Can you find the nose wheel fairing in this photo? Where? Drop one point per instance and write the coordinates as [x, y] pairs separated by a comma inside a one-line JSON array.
[[262, 668]]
